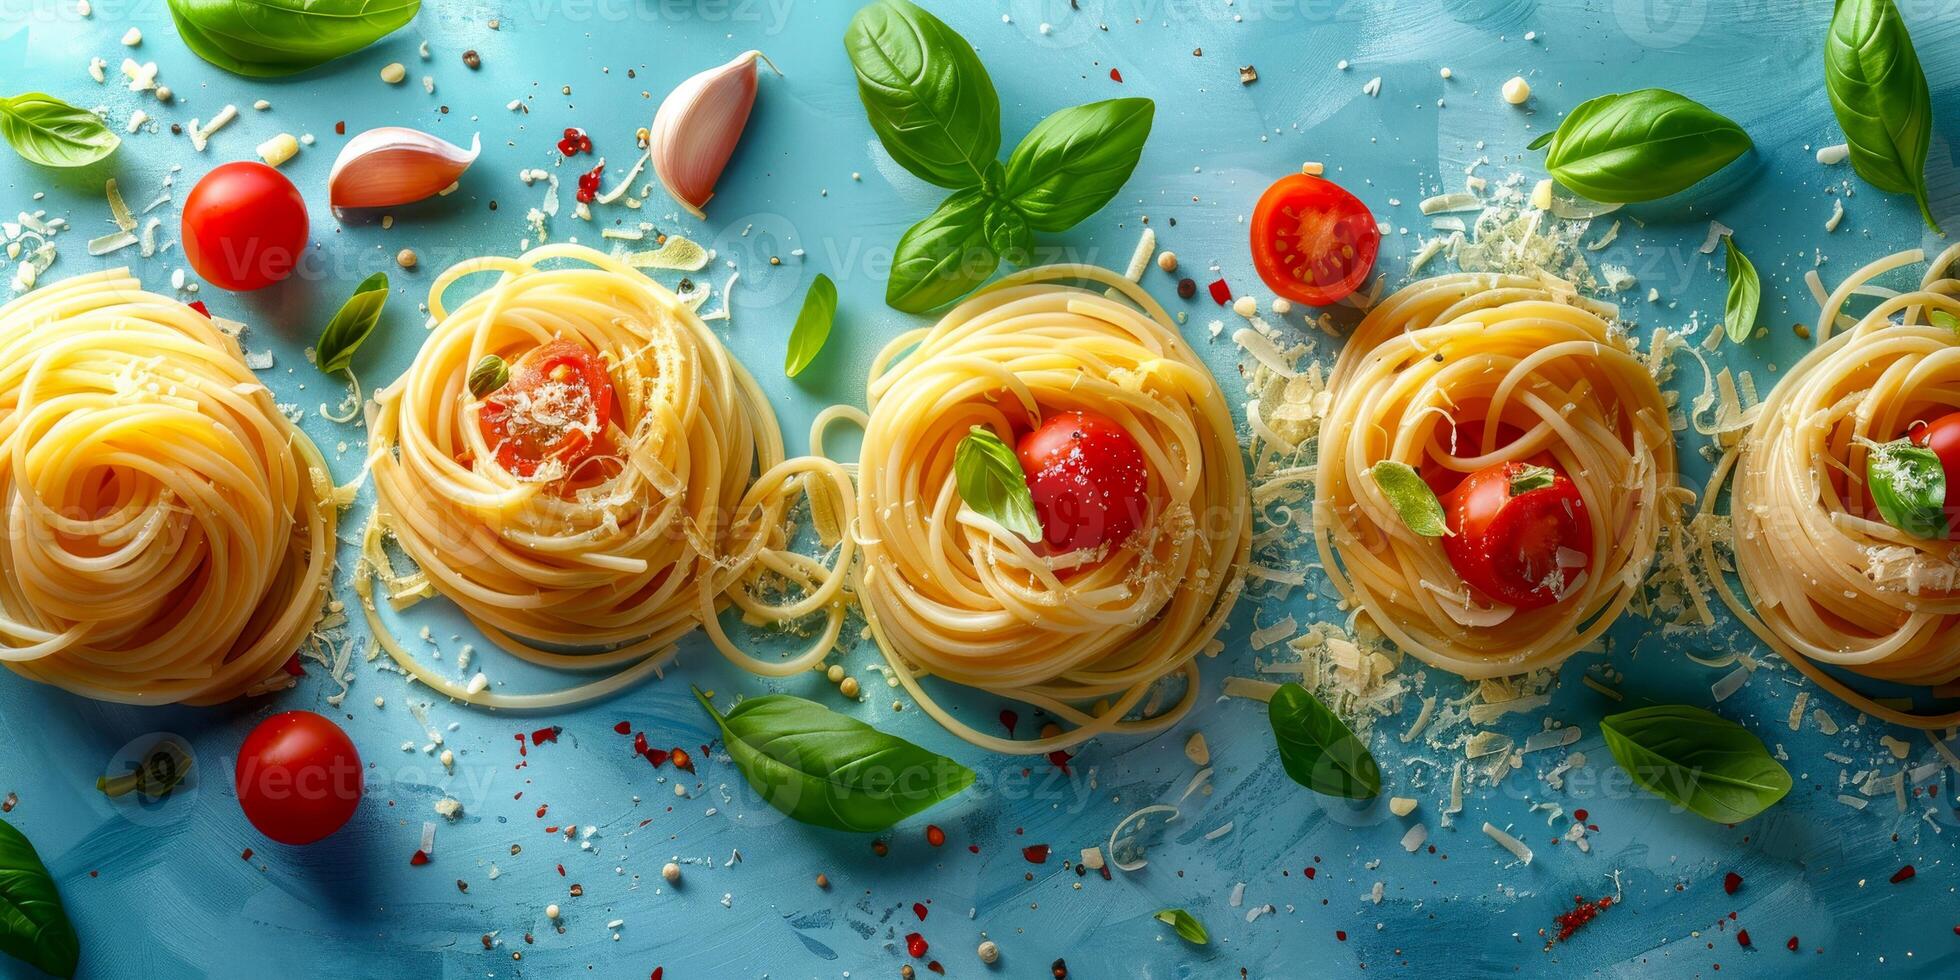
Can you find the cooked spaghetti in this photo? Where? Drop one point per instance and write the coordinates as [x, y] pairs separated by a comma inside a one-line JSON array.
[[1828, 581], [1459, 373], [168, 534], [1085, 635], [589, 517]]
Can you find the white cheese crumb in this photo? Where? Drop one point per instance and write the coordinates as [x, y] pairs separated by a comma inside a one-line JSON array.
[[1516, 90], [278, 149], [1831, 156], [132, 38], [1401, 806]]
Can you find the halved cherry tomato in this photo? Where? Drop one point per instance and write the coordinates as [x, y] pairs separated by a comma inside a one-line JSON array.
[[1088, 479], [298, 777], [1312, 241], [553, 408], [244, 226], [1942, 436], [1506, 546]]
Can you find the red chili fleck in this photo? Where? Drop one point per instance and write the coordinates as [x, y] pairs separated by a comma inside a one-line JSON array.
[[544, 735], [975, 848], [1035, 853], [198, 305], [1902, 874], [1742, 938], [575, 142], [1221, 293], [1059, 759], [521, 750], [916, 945], [935, 967], [419, 858], [1582, 912], [1115, 76], [1579, 815], [551, 829], [1008, 719], [561, 871], [1340, 934], [624, 728], [681, 759], [247, 856], [1731, 882], [934, 835], [1793, 941], [919, 910], [656, 756], [588, 184], [658, 972], [1310, 873], [294, 667]]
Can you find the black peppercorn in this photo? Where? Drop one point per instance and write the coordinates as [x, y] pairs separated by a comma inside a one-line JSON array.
[[1186, 288]]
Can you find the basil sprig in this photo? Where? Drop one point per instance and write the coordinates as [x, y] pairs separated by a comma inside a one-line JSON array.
[[1639, 146], [1411, 497], [269, 38], [1909, 486], [1318, 750], [1696, 760], [991, 481], [1745, 294], [1880, 96], [812, 329], [933, 106], [47, 131], [351, 326], [1187, 925], [827, 769], [34, 927]]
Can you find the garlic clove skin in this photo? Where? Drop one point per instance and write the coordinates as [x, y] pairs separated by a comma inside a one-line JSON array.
[[396, 165], [699, 123]]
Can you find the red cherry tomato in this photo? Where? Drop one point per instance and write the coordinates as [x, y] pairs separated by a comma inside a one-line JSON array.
[[244, 226], [298, 778], [1088, 479], [1312, 241], [554, 407], [1507, 546], [1942, 436]]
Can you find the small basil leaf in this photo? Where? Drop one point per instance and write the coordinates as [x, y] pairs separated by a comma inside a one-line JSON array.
[[1187, 925], [1879, 94], [1411, 497], [489, 374], [943, 257], [1909, 486], [34, 928], [806, 339], [350, 327], [1008, 232], [1745, 294], [1071, 163], [1638, 146], [829, 770], [1696, 760], [1543, 138], [47, 131], [1529, 478], [926, 93], [1318, 750], [269, 38], [991, 481]]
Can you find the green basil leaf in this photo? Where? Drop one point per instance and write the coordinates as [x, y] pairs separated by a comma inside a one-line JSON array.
[[943, 257], [1880, 96], [47, 131], [1529, 478], [34, 928], [1008, 232], [1696, 760], [812, 328], [1541, 141], [489, 374], [269, 38], [1638, 146], [1411, 497], [350, 327], [926, 93], [1941, 318], [1318, 750], [1071, 163], [1909, 486], [1745, 294], [991, 482], [829, 770], [1187, 925]]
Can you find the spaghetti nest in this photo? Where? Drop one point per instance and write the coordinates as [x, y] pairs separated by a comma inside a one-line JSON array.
[[1461, 372], [1828, 580], [168, 531], [606, 564], [1083, 635]]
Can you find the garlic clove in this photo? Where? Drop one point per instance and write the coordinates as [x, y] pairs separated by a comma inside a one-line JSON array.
[[395, 165], [699, 123]]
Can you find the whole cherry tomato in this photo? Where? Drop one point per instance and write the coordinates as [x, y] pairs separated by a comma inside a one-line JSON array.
[[299, 778], [1312, 241], [1506, 541], [1088, 478], [244, 226], [554, 407]]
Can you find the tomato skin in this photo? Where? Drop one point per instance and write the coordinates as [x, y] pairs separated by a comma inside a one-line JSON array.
[[1312, 241], [1942, 436], [298, 777], [1088, 478], [1506, 547], [521, 449], [244, 226]]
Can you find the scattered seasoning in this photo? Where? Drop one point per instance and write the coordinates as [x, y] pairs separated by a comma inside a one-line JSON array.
[[1340, 934], [1310, 872], [1035, 853], [1221, 293], [915, 944], [340, 128], [1059, 969], [681, 759], [1186, 288], [1793, 941], [1731, 882], [577, 890], [624, 728], [880, 848], [1742, 938], [588, 184], [575, 142], [472, 59], [935, 836], [405, 258], [544, 735], [419, 858], [1008, 719], [919, 910], [1902, 874], [823, 880], [1115, 76], [247, 856], [1582, 912], [198, 305]]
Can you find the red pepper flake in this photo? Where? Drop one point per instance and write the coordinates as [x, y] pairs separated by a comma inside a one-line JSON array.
[[658, 972], [544, 735], [934, 835], [419, 858], [1731, 882], [919, 910], [624, 728], [575, 142], [551, 829], [1221, 293], [915, 944], [658, 757], [1340, 934], [561, 871], [588, 184], [1793, 940], [1742, 938], [294, 667], [1582, 913], [681, 759], [1035, 853], [935, 967], [1008, 719], [521, 750], [1579, 815], [1311, 871], [1115, 76], [542, 807], [340, 128], [1902, 874], [975, 848], [1059, 759], [880, 848], [640, 743], [247, 856], [198, 305]]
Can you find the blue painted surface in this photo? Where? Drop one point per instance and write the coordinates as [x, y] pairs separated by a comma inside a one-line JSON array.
[[163, 892]]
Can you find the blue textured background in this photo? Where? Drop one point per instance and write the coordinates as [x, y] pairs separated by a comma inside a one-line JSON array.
[[163, 892]]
